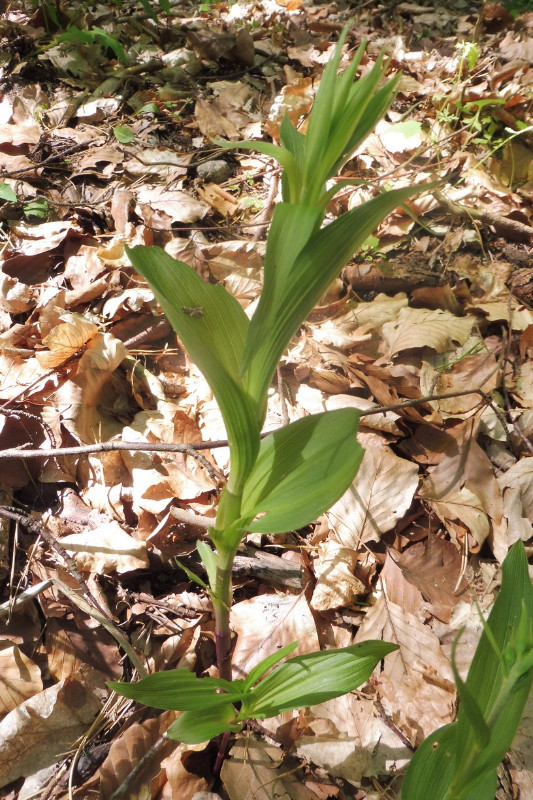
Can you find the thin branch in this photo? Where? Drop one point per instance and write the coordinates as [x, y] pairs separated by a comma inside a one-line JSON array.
[[164, 447]]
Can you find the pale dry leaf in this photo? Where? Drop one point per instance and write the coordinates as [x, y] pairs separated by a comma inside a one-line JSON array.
[[421, 327], [65, 340], [519, 316], [255, 770], [31, 240], [15, 297], [381, 493], [354, 743], [69, 646], [460, 506], [106, 549], [336, 585], [517, 487], [20, 677], [51, 721], [419, 669], [267, 622], [177, 206]]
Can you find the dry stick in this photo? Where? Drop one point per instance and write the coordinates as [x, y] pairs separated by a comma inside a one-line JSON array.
[[503, 225], [163, 447], [505, 393], [39, 530], [68, 151]]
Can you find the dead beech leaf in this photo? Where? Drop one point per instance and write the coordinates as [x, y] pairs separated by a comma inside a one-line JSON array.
[[425, 703], [69, 646], [51, 721], [126, 752], [461, 506], [421, 327], [106, 549], [434, 567], [336, 585], [20, 677], [381, 493], [175, 205], [517, 487], [267, 622], [65, 340], [255, 770], [15, 297]]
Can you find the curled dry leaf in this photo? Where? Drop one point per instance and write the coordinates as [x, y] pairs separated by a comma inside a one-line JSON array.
[[106, 549], [52, 721], [421, 327], [65, 340], [20, 677], [336, 585]]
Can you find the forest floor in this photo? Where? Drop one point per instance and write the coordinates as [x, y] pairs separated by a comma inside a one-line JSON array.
[[107, 119]]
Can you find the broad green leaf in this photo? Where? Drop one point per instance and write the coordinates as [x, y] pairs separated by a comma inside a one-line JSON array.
[[430, 772], [314, 678], [301, 470], [283, 306], [7, 193], [267, 663], [213, 327], [180, 690], [37, 208], [193, 727], [123, 134]]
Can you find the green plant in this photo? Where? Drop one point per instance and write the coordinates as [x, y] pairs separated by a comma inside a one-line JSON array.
[[287, 479], [459, 761]]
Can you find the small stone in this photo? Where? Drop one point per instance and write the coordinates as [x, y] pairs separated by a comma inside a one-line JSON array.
[[216, 171]]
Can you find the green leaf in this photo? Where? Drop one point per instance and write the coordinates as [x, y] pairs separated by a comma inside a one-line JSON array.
[[123, 134], [193, 727], [498, 686], [281, 154], [285, 303], [7, 193], [180, 690], [213, 327], [267, 663], [37, 208], [313, 678], [104, 38], [209, 560], [301, 470]]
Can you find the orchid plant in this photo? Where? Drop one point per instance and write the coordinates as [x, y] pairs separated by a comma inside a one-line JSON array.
[[286, 480]]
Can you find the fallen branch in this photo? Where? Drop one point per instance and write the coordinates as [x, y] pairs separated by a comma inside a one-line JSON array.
[[516, 230], [165, 447]]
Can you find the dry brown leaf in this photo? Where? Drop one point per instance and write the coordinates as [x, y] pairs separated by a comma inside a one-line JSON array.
[[267, 622], [336, 584], [126, 752], [420, 327], [20, 677], [52, 721], [419, 673], [381, 493], [254, 771], [517, 487], [69, 647], [66, 339], [434, 567], [164, 206], [106, 549]]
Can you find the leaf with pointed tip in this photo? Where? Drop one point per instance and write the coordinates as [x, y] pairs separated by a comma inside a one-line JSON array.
[[313, 678], [180, 690], [301, 470], [213, 327]]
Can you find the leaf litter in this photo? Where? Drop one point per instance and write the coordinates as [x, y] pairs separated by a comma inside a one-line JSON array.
[[106, 121]]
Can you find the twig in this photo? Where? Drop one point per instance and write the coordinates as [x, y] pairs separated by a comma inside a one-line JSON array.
[[39, 530], [68, 151], [28, 594], [139, 766], [503, 225], [163, 447]]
